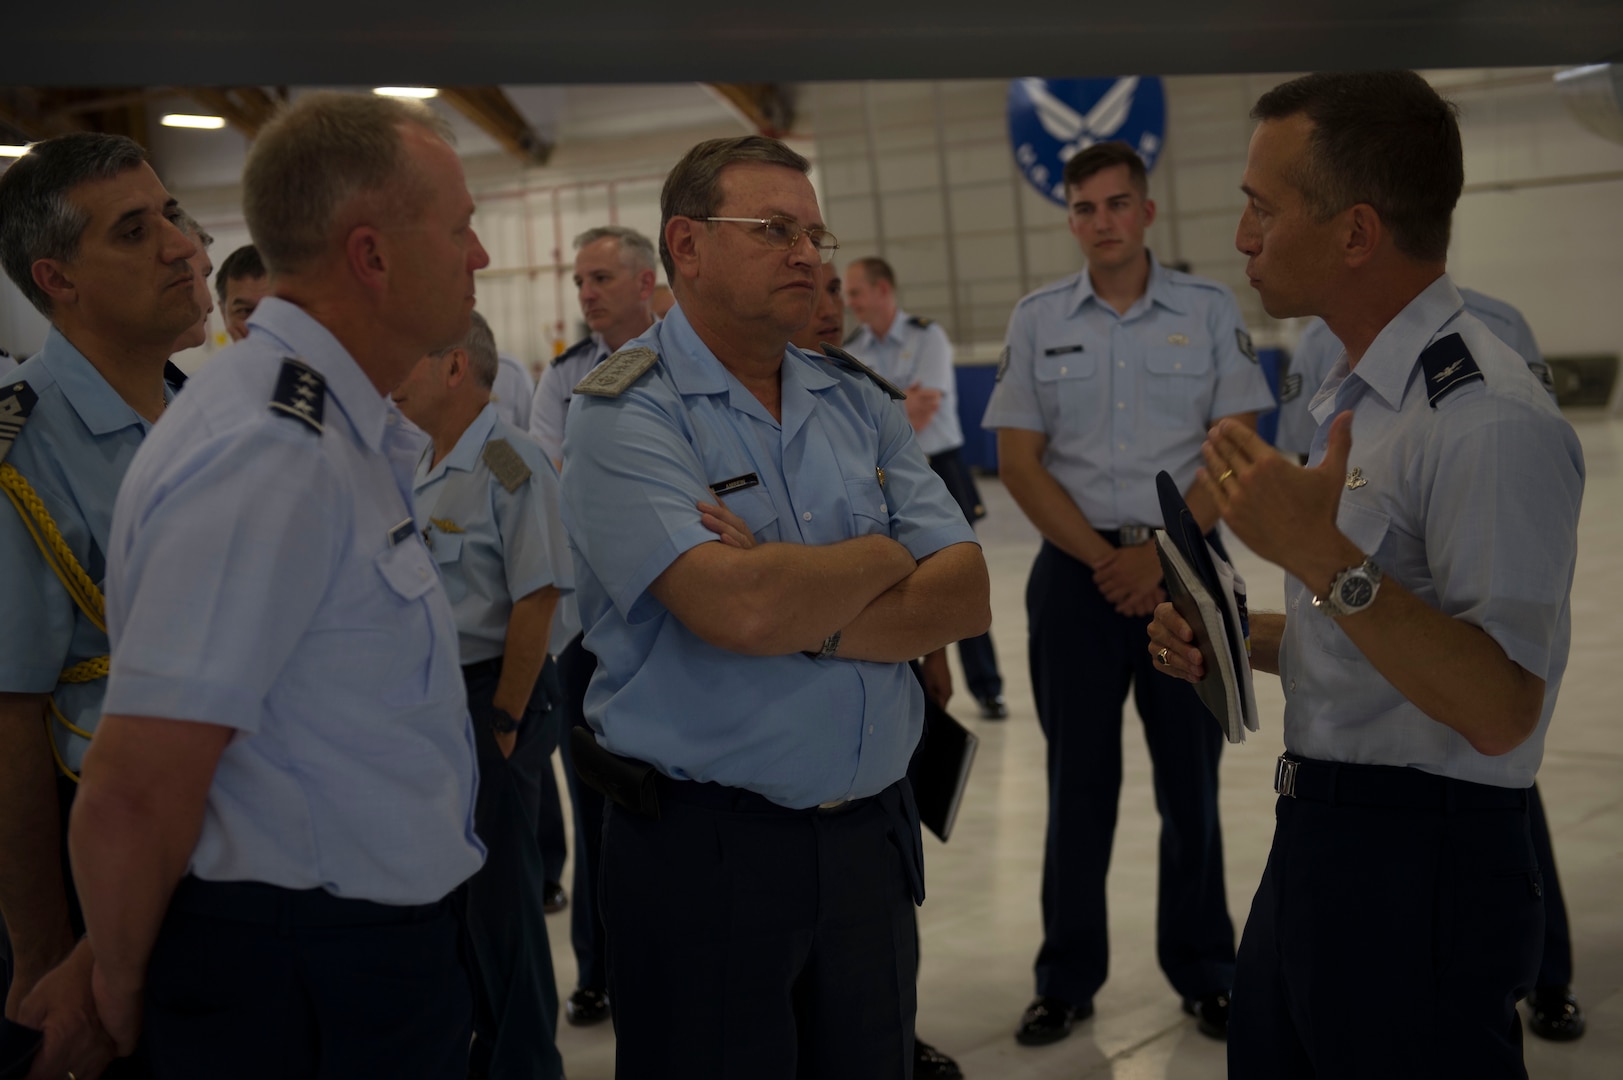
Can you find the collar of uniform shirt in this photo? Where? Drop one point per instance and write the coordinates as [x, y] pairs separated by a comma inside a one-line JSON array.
[[1390, 360], [695, 370], [306, 339], [96, 402], [464, 456], [1158, 289]]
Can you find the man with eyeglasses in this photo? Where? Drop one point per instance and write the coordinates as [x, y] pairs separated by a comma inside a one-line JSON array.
[[760, 546]]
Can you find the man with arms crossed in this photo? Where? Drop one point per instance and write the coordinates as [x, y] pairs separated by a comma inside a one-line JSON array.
[[760, 549], [1429, 552], [280, 798]]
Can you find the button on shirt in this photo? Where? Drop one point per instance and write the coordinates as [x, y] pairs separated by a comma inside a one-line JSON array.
[[74, 451], [513, 393], [270, 578], [493, 546], [796, 730], [1318, 350], [550, 408], [1121, 397], [1473, 507], [908, 353]]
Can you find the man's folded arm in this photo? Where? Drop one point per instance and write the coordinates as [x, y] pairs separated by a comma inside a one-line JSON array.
[[947, 599]]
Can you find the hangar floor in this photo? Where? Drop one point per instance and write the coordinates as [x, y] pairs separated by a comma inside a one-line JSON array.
[[980, 925]]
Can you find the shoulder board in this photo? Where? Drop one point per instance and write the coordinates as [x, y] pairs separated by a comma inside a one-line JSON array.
[[583, 343], [920, 321], [505, 464], [851, 363], [301, 393], [17, 402], [615, 375], [1448, 364]]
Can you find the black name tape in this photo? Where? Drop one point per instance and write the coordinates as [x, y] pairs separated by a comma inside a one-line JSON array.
[[1061, 350], [737, 483], [402, 532]]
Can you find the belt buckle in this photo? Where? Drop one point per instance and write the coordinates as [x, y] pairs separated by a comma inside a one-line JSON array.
[[1133, 535], [1285, 776], [833, 804]]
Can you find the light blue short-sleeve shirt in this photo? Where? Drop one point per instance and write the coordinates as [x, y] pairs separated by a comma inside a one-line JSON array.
[[513, 392], [271, 578], [549, 410], [73, 450], [841, 463], [1470, 501], [917, 351], [1122, 397], [492, 546]]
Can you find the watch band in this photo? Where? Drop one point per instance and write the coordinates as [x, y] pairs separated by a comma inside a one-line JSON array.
[[503, 722]]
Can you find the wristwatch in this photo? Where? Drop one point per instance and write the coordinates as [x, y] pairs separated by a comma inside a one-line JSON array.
[[503, 722], [1351, 591], [831, 645]]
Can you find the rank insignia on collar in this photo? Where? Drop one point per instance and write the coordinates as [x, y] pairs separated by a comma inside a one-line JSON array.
[[880, 473], [1355, 479], [17, 401], [301, 393]]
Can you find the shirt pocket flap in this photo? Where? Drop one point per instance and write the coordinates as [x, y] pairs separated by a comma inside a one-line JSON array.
[[446, 548], [1179, 360], [407, 569], [1363, 525], [753, 505], [868, 499], [1069, 365]]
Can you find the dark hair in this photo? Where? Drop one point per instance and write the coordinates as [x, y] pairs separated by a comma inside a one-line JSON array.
[[37, 220], [241, 263], [875, 270], [1384, 138], [1106, 155], [693, 188]]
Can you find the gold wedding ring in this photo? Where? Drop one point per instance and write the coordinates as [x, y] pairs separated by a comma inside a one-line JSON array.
[[1225, 476], [1164, 661]]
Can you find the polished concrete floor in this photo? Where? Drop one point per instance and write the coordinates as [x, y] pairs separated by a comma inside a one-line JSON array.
[[980, 925]]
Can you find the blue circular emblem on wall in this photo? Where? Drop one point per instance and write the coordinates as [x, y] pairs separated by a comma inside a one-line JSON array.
[[1052, 119]]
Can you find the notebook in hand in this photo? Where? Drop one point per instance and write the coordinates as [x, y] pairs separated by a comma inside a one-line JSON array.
[[940, 769]]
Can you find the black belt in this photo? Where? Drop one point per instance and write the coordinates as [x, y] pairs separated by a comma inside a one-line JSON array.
[[738, 800], [1339, 783], [258, 902], [1127, 535], [491, 668]]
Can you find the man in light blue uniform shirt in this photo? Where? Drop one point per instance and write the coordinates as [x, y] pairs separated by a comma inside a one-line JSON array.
[[512, 392], [742, 515], [489, 498], [113, 278], [279, 801], [915, 354], [1318, 350], [614, 282], [1430, 552], [1109, 377]]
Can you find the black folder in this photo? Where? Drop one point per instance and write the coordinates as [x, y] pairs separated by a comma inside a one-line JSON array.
[[940, 769]]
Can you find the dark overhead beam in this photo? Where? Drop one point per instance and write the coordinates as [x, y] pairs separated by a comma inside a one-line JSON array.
[[494, 112], [769, 107]]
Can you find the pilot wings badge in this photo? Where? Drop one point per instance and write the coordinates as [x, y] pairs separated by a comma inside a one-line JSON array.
[[1355, 479]]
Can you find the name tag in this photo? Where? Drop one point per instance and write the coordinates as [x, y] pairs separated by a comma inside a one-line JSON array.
[[737, 483], [401, 532], [1061, 350]]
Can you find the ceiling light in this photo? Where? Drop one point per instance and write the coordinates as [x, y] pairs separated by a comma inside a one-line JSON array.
[[12, 151], [191, 120], [418, 92]]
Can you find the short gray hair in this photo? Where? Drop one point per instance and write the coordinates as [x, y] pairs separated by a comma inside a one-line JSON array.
[[37, 220], [190, 227], [636, 250], [480, 345], [315, 157], [693, 188]]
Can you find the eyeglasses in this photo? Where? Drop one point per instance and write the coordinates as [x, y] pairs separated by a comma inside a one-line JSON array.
[[784, 233]]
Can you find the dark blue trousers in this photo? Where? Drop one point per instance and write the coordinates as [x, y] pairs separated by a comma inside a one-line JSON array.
[[586, 934], [977, 654], [1555, 969], [1084, 658], [749, 941], [259, 983], [1364, 902]]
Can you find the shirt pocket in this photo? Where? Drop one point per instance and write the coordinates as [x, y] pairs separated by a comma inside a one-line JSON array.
[[410, 576], [446, 550], [1067, 380], [754, 505], [870, 507], [1178, 385], [1367, 527]]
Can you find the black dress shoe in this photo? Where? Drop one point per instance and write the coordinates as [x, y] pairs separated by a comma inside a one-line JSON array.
[[587, 1006], [553, 898], [993, 707], [1048, 1020], [931, 1064], [1211, 1014], [1557, 1016]]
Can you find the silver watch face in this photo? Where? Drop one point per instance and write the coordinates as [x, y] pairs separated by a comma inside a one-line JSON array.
[[1356, 591]]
